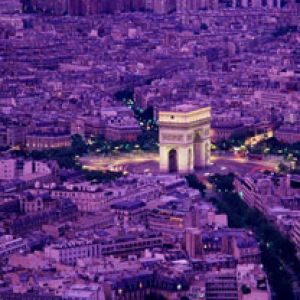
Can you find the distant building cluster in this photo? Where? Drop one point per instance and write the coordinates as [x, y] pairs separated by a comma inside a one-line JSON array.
[[66, 72], [94, 7], [135, 237]]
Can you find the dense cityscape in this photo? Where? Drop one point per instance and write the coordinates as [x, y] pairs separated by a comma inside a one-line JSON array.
[[149, 149]]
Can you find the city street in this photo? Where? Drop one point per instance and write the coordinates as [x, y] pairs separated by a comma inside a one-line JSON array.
[[142, 162]]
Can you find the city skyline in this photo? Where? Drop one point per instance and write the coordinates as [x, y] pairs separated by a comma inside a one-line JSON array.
[[149, 149]]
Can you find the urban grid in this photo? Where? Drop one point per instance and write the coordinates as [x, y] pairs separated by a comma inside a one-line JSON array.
[[149, 149]]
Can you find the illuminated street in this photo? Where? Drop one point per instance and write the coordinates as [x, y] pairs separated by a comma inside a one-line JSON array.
[[149, 163], [252, 141], [122, 162]]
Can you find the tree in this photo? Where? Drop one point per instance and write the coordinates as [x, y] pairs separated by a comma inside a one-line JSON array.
[[284, 30], [222, 183], [100, 176], [148, 113], [282, 168], [203, 26], [155, 296], [245, 289], [122, 95], [194, 183], [78, 145], [223, 145], [239, 138], [277, 252]]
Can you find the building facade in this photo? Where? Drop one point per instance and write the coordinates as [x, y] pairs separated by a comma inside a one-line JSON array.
[[184, 138]]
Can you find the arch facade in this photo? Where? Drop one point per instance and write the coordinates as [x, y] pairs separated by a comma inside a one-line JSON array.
[[184, 138]]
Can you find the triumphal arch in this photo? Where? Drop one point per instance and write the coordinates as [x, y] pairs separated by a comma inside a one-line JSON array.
[[184, 138]]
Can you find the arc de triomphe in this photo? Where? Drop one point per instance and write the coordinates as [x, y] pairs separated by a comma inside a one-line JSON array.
[[184, 138]]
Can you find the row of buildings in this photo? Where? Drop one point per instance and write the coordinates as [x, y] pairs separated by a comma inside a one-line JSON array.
[[152, 235], [275, 196], [113, 123], [94, 7]]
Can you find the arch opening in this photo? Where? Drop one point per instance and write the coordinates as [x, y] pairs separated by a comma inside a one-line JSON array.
[[173, 164]]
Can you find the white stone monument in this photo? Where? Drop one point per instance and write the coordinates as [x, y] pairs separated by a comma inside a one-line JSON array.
[[184, 138]]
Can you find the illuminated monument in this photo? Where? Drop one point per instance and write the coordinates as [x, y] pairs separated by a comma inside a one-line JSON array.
[[184, 137]]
